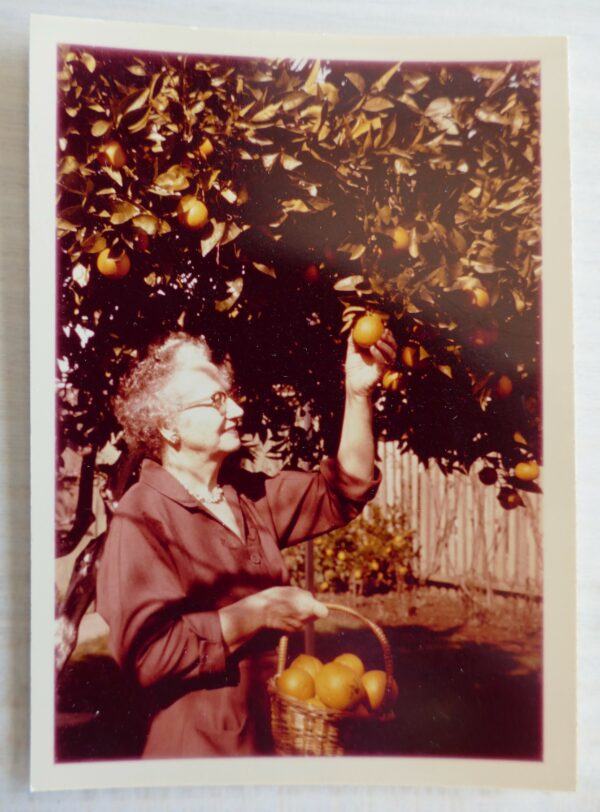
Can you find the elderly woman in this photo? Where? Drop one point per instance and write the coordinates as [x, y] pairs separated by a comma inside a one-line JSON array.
[[192, 582]]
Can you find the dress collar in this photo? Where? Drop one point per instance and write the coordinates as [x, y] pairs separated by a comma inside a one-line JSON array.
[[152, 473]]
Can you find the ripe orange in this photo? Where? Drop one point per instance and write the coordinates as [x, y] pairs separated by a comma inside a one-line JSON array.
[[113, 154], [509, 499], [315, 702], [504, 386], [352, 661], [338, 686], [113, 266], [311, 273], [401, 238], [527, 471], [206, 148], [484, 336], [192, 212], [297, 683], [488, 476], [308, 663], [374, 684], [367, 330]]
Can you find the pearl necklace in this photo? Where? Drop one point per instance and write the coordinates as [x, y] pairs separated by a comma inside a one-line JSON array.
[[209, 497]]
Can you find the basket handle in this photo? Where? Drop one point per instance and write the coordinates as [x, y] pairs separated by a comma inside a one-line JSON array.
[[282, 646]]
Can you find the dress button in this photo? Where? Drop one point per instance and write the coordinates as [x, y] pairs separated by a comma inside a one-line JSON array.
[[255, 558]]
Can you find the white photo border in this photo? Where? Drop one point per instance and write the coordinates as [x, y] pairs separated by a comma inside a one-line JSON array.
[[557, 770]]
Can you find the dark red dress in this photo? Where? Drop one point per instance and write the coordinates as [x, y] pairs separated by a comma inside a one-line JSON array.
[[169, 564]]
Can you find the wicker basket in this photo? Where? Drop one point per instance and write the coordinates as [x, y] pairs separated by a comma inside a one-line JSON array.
[[299, 729]]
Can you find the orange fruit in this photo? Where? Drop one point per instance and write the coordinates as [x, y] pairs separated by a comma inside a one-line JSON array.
[[527, 471], [374, 684], [315, 702], [509, 499], [484, 336], [308, 663], [311, 273], [192, 212], [504, 386], [113, 154], [401, 238], [518, 438], [338, 686], [206, 148], [352, 661], [113, 266], [367, 330], [296, 682], [488, 475]]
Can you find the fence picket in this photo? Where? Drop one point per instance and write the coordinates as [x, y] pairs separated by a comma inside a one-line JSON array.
[[461, 529]]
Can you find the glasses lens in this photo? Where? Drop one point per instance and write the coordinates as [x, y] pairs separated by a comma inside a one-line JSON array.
[[219, 400]]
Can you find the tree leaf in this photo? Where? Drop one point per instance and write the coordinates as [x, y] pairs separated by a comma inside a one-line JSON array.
[[310, 86], [89, 61], [100, 127], [209, 243], [175, 179], [269, 160], [293, 100], [357, 80], [147, 222], [267, 113], [377, 104], [266, 269], [290, 163], [380, 84], [440, 111], [123, 211], [234, 287], [348, 283]]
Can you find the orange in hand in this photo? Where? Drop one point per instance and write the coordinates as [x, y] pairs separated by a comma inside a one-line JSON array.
[[367, 330]]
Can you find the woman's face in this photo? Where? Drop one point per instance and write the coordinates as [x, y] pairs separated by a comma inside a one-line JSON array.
[[199, 424]]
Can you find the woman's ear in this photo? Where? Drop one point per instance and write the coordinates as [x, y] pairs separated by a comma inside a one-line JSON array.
[[169, 434]]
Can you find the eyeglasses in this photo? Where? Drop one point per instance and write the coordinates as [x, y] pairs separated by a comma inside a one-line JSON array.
[[218, 401]]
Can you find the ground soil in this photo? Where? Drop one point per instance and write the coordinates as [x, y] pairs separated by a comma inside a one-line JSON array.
[[469, 674]]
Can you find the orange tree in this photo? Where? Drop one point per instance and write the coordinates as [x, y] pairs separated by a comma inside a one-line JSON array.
[[266, 203]]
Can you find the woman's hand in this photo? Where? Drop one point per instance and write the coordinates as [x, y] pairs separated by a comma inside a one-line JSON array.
[[365, 367], [288, 608]]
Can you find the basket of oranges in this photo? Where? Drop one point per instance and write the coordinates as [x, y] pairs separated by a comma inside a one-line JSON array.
[[320, 709]]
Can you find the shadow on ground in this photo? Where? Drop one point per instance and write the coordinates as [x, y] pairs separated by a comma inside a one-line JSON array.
[[457, 698]]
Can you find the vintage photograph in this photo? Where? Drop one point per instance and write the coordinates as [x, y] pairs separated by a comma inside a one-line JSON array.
[[298, 407]]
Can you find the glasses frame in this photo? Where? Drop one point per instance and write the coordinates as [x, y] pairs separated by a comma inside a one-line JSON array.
[[218, 400]]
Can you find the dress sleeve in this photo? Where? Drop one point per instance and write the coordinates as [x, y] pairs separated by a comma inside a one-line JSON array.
[[152, 630], [307, 504]]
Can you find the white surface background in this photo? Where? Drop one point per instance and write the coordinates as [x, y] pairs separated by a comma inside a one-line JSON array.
[[581, 22]]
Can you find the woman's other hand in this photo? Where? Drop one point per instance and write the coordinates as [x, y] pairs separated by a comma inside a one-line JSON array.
[[288, 608], [365, 367]]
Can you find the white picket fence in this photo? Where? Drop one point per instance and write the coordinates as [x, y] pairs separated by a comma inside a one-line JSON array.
[[462, 534]]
